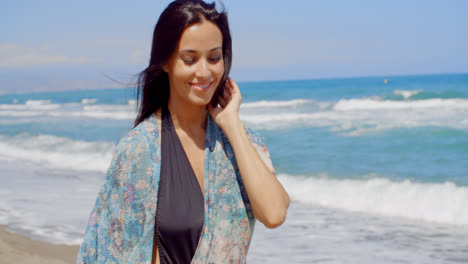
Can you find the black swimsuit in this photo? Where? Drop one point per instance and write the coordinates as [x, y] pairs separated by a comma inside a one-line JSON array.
[[180, 210]]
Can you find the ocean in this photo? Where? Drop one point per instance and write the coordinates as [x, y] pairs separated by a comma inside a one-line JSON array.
[[376, 167]]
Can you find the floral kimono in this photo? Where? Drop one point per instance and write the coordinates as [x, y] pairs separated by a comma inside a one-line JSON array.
[[122, 222]]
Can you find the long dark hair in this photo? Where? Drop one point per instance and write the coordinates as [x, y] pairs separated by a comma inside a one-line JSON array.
[[153, 82]]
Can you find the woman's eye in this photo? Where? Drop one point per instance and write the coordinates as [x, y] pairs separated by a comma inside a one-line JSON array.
[[189, 61], [215, 59]]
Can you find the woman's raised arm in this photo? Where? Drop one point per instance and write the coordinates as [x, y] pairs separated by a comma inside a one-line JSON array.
[[267, 196]]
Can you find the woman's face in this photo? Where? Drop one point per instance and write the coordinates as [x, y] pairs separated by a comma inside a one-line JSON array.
[[196, 67]]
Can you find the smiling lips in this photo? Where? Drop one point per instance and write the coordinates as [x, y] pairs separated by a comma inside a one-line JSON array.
[[202, 87]]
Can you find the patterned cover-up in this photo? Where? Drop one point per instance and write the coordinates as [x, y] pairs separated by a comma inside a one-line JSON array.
[[121, 225]]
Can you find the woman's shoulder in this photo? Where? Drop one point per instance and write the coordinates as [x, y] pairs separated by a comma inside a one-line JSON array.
[[254, 136], [257, 142], [141, 137], [146, 127]]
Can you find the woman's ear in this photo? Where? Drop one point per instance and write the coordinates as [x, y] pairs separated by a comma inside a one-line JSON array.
[[165, 68]]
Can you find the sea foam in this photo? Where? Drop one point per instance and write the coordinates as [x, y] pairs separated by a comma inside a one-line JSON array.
[[407, 93], [352, 117], [87, 109], [372, 104], [89, 101], [355, 117], [58, 152], [37, 102], [264, 103], [433, 202]]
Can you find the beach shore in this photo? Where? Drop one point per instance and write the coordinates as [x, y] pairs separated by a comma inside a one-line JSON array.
[[15, 248]]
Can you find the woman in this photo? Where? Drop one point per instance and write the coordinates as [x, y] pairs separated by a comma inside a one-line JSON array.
[[187, 182]]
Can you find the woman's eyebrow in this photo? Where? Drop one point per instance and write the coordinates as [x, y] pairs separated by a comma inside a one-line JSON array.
[[194, 51]]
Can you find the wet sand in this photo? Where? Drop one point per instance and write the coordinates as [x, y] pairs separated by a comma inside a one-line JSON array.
[[15, 248]]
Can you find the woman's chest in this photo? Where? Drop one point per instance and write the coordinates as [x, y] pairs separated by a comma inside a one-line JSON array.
[[194, 150]]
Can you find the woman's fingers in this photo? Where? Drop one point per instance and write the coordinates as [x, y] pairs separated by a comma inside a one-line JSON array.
[[230, 92], [222, 102], [234, 88], [229, 87], [229, 101], [227, 98]]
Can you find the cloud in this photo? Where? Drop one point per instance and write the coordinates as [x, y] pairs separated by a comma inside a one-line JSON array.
[[16, 56], [138, 57], [22, 80], [114, 41], [124, 51], [272, 51], [267, 50]]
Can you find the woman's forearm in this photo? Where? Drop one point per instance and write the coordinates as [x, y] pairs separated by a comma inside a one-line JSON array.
[[267, 196]]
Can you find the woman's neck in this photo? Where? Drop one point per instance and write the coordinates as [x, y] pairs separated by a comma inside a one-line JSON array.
[[190, 118]]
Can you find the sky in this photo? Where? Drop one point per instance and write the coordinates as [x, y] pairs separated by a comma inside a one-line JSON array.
[[52, 45]]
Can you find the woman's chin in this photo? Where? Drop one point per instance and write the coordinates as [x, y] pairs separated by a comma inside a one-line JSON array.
[[200, 101]]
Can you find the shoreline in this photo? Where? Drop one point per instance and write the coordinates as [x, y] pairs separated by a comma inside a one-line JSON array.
[[17, 248]]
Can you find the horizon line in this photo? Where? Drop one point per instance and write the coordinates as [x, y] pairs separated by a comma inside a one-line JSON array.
[[260, 81]]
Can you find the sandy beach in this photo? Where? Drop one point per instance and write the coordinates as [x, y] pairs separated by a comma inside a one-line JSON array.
[[16, 248]]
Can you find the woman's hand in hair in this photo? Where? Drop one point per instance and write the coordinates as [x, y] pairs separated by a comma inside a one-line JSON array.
[[226, 114]]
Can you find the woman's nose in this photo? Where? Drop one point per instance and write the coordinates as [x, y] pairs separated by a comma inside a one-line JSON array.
[[203, 70]]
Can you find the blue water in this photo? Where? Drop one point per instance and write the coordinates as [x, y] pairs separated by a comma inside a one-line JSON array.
[[432, 86], [395, 148], [424, 153]]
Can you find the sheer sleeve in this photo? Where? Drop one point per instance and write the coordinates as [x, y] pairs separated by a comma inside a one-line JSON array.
[[105, 238], [261, 148]]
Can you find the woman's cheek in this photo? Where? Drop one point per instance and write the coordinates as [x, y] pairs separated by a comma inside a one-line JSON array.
[[220, 70], [187, 70]]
